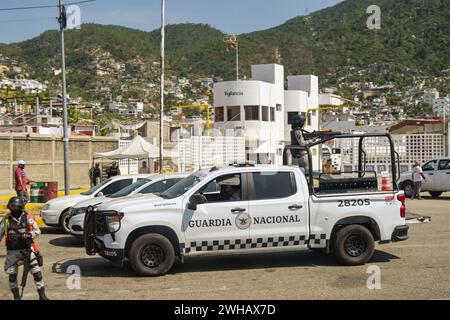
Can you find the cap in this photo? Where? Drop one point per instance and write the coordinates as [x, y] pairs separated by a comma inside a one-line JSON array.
[[22, 162]]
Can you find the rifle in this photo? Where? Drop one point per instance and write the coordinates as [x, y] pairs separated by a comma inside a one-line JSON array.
[[26, 257]]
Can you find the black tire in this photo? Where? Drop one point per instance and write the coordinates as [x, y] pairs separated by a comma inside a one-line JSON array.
[[354, 245], [64, 221], [408, 187], [436, 194], [152, 255]]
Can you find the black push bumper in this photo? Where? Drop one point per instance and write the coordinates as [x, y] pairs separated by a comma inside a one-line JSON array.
[[115, 256], [400, 234]]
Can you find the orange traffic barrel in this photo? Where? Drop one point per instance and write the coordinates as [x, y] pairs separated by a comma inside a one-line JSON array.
[[50, 191], [386, 184]]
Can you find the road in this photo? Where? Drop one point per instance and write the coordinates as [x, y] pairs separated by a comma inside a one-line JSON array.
[[416, 269]]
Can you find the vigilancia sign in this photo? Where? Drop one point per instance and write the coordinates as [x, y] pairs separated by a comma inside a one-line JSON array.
[[233, 93]]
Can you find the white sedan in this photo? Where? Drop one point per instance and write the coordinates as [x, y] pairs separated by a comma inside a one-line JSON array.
[[56, 211], [153, 184]]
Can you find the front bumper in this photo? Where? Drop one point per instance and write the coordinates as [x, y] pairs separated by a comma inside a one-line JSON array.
[[400, 234], [115, 256], [76, 225], [50, 217]]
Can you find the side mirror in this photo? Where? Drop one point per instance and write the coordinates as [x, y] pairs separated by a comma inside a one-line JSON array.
[[195, 200], [100, 194]]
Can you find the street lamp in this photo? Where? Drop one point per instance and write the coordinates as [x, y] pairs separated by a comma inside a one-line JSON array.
[[161, 115], [63, 24]]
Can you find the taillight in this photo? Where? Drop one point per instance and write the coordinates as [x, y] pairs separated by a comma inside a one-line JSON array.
[[402, 199]]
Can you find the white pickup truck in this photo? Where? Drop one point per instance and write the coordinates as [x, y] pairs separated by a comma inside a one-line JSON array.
[[246, 209], [437, 173]]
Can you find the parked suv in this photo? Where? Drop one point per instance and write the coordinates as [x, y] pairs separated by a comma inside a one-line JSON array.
[[437, 173]]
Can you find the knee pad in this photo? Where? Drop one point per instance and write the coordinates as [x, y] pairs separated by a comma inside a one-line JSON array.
[[13, 277], [37, 276]]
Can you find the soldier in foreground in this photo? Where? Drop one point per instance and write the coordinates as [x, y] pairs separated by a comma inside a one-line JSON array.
[[19, 229]]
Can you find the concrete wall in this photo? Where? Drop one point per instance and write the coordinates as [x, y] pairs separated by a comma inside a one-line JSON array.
[[44, 157]]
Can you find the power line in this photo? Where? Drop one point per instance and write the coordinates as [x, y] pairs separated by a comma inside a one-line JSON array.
[[43, 7]]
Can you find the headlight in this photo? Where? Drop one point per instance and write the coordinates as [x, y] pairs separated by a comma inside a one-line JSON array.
[[113, 223], [46, 207], [78, 211]]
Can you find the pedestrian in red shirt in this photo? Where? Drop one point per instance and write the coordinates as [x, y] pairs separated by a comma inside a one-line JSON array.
[[22, 181]]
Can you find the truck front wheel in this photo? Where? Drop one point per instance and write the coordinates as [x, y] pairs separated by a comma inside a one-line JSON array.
[[354, 245], [152, 255]]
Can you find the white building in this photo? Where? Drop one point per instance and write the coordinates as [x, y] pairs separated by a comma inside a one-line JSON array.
[[441, 106], [430, 95], [260, 110], [330, 99]]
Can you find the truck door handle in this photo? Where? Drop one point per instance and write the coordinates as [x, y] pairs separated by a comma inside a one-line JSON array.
[[238, 210], [295, 207]]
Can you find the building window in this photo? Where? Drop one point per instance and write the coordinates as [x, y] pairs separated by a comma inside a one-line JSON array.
[[265, 113], [279, 107], [308, 120], [219, 114], [251, 113], [234, 113], [291, 116], [272, 114]]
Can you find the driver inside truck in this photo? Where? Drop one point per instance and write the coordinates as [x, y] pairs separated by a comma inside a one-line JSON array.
[[230, 189]]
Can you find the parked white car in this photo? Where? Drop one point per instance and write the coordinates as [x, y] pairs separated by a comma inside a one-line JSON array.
[[56, 211], [437, 173], [151, 185]]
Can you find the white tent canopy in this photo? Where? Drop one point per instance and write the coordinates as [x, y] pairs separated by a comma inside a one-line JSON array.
[[138, 149]]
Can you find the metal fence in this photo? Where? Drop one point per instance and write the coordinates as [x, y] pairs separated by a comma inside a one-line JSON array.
[[202, 152], [411, 148]]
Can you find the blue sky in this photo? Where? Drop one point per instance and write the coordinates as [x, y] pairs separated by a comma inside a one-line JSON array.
[[231, 16]]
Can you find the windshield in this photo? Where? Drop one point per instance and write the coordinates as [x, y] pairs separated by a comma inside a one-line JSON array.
[[96, 188], [184, 185], [128, 190]]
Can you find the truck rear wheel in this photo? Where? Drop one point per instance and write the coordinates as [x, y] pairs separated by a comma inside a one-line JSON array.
[[354, 245], [152, 255]]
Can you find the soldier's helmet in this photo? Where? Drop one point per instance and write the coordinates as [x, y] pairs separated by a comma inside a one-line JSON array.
[[17, 202]]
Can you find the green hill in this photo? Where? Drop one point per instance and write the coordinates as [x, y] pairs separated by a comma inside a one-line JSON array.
[[415, 36]]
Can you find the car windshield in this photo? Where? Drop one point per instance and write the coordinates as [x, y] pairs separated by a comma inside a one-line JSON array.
[[128, 190], [96, 188], [184, 185]]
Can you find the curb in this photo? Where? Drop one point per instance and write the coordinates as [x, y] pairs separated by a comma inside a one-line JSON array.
[[60, 194]]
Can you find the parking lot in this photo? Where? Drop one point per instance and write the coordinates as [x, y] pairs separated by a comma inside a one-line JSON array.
[[416, 269]]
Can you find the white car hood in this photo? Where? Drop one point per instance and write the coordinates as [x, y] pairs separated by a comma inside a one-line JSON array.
[[67, 201], [139, 200], [91, 202]]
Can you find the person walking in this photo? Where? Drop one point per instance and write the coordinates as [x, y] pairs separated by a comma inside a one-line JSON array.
[[19, 230], [95, 175], [418, 177], [22, 182], [114, 170]]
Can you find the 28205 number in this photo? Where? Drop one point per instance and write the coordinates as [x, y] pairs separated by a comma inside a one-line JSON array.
[[354, 203]]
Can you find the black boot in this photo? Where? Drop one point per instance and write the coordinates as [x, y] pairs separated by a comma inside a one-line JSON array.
[[16, 294], [42, 295]]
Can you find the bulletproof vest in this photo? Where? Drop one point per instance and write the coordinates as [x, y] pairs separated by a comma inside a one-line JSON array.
[[15, 229], [113, 171]]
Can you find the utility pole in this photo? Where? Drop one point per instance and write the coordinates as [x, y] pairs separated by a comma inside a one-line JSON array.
[[233, 43], [63, 23], [161, 116]]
